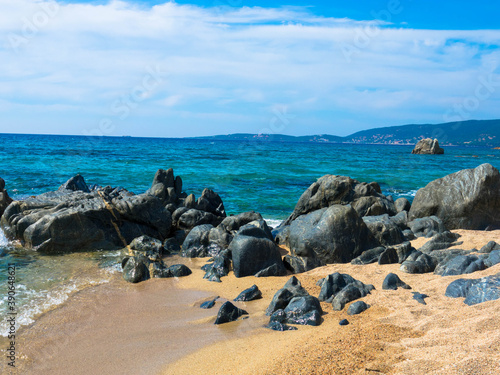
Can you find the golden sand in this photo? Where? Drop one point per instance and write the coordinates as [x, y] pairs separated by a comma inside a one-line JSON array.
[[137, 329]]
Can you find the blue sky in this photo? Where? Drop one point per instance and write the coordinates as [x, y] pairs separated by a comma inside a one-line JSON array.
[[187, 68]]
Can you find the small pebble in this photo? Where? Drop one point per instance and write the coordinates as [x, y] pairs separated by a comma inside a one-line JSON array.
[[344, 322]]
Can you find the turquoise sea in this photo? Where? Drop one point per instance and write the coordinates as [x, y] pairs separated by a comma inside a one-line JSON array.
[[264, 176]]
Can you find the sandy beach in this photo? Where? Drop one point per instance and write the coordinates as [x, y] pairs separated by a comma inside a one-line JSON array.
[[157, 327]]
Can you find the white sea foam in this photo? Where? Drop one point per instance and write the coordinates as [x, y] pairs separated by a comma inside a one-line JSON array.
[[3, 240], [31, 303], [273, 222]]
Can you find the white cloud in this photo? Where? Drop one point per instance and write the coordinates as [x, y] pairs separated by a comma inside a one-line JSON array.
[[232, 65]]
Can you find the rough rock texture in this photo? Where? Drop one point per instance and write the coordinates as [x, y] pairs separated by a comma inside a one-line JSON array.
[[459, 265], [249, 294], [135, 269], [426, 226], [303, 310], [340, 289], [489, 247], [332, 235], [232, 224], [218, 268], [402, 204], [393, 282], [475, 291], [282, 297], [369, 256], [440, 241], [229, 313], [148, 246], [253, 251], [331, 190], [211, 202], [385, 231], [300, 264], [419, 262], [468, 199], [197, 243], [428, 146], [5, 200]]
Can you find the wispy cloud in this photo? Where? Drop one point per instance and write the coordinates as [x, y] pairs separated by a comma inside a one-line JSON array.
[[64, 65]]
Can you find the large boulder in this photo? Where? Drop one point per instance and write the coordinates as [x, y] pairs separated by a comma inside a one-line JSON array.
[[468, 199], [232, 224], [428, 146], [332, 235], [72, 219], [253, 251], [385, 231], [211, 202], [332, 190], [475, 291]]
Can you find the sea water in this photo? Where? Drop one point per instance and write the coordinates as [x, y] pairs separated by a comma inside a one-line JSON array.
[[264, 176]]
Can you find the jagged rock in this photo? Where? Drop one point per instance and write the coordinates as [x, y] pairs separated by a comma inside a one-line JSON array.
[[340, 289], [350, 293], [369, 256], [428, 146], [476, 290], [5, 200], [219, 237], [389, 256], [229, 313], [197, 243], [385, 231], [468, 199], [403, 250], [249, 294], [276, 269], [148, 246], [300, 264], [304, 310], [255, 229], [332, 235], [211, 202], [419, 262], [393, 282], [426, 226], [373, 206], [332, 190], [218, 268], [440, 241], [192, 218], [489, 247], [292, 288], [76, 183], [357, 308], [402, 204], [252, 251], [401, 220]]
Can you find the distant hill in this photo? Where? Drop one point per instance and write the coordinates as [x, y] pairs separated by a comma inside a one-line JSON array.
[[471, 133]]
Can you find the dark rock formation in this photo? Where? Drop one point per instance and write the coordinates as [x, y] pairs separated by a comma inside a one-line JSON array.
[[385, 231], [249, 294], [218, 268], [331, 190], [277, 326], [393, 282], [211, 202], [493, 258], [5, 200], [440, 241], [197, 243], [300, 264], [135, 269], [192, 218], [177, 270], [357, 308], [282, 297], [426, 226], [340, 289], [489, 247], [475, 291], [428, 146], [232, 224], [419, 262], [344, 322], [229, 313], [468, 199], [332, 235], [459, 265], [147, 246], [389, 256], [369, 256], [253, 250]]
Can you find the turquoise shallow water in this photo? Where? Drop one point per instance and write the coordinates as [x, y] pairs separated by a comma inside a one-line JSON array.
[[268, 177]]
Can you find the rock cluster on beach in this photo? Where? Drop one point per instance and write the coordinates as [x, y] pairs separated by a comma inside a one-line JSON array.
[[336, 220], [428, 146]]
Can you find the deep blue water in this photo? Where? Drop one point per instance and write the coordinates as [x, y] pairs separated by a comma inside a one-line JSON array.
[[267, 177]]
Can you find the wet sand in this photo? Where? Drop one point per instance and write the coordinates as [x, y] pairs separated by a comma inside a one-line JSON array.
[[157, 327]]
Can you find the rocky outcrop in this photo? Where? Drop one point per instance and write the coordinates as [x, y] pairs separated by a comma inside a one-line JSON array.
[[340, 289], [5, 200], [332, 190], [468, 199], [428, 146], [331, 235], [229, 313]]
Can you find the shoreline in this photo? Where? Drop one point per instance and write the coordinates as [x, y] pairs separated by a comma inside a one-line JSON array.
[[157, 327]]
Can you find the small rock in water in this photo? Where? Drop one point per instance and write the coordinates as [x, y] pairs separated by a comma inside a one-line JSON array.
[[344, 322], [420, 297], [229, 313], [249, 294], [209, 304]]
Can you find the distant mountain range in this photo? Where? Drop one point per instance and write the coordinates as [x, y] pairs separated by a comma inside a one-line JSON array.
[[468, 133]]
